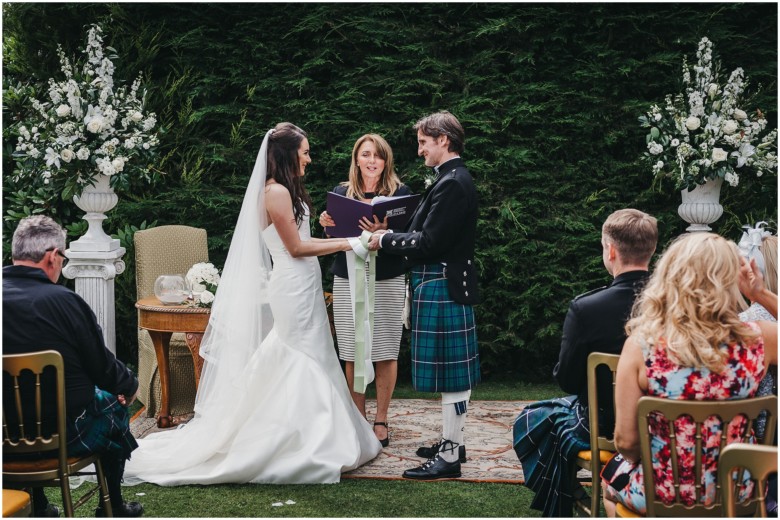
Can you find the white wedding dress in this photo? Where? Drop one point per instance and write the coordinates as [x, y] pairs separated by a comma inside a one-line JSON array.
[[292, 420]]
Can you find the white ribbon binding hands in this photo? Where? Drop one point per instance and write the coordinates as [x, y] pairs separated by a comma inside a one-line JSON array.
[[361, 289]]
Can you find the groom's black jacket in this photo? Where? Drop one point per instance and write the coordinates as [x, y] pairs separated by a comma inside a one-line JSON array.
[[444, 229]]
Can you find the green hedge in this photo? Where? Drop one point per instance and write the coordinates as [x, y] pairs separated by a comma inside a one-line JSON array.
[[549, 95]]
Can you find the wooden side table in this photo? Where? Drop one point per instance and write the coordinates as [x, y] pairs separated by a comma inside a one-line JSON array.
[[162, 321]]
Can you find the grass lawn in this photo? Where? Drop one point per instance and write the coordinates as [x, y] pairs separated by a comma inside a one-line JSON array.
[[351, 497]]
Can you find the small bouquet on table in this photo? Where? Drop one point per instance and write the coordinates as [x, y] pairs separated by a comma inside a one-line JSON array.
[[203, 279]]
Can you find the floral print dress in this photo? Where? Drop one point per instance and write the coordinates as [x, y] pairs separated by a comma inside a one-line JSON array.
[[740, 380]]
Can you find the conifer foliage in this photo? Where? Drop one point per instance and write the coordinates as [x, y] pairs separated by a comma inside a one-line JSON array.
[[549, 95]]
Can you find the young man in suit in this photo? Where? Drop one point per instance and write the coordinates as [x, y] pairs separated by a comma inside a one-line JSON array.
[[438, 246], [549, 434]]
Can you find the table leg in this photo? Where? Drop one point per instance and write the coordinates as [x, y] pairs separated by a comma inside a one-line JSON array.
[[162, 341], [193, 340]]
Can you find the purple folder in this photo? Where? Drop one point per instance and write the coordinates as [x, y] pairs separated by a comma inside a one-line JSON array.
[[347, 212]]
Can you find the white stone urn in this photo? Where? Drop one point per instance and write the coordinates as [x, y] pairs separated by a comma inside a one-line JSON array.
[[96, 200], [701, 205]]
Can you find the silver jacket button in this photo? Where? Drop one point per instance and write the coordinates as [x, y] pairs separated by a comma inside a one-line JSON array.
[[414, 241], [393, 242], [464, 284], [468, 262], [466, 293], [464, 273], [403, 242]]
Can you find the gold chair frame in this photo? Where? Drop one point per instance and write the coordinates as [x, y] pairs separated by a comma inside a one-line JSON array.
[[28, 438], [601, 448], [759, 460], [699, 411]]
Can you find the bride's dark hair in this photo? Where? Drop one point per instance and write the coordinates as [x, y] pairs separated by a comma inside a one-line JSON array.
[[284, 165]]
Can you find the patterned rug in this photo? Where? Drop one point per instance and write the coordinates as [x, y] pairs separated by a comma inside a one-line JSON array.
[[417, 422]]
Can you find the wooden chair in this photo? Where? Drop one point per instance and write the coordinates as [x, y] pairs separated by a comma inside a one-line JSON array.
[[698, 411], [759, 460], [166, 250], [24, 434], [16, 503], [601, 448]]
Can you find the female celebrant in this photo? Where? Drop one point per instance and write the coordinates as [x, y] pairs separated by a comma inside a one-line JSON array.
[[371, 174], [272, 405]]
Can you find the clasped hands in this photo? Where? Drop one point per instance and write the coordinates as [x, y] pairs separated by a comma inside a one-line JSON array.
[[376, 227]]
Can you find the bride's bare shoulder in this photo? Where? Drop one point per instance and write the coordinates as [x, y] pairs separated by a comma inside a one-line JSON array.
[[274, 188]]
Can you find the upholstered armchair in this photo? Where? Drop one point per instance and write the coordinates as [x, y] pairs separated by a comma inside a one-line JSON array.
[[158, 251]]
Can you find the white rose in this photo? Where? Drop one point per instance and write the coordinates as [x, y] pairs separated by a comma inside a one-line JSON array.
[[129, 144], [118, 164], [730, 127], [136, 116], [719, 154], [659, 165], [95, 125], [675, 142], [83, 153], [67, 155], [713, 91], [740, 115], [657, 117], [692, 123], [146, 146], [63, 110], [206, 297]]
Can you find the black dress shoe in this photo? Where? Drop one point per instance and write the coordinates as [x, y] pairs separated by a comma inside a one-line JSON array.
[[433, 469], [386, 441], [428, 453], [49, 511], [127, 510]]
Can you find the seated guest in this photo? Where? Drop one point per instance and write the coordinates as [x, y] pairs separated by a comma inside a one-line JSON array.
[[685, 329], [760, 246], [39, 314], [549, 434]]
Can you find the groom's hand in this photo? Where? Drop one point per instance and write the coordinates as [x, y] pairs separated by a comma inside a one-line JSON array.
[[373, 242]]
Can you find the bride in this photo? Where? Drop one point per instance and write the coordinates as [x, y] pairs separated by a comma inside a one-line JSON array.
[[273, 405]]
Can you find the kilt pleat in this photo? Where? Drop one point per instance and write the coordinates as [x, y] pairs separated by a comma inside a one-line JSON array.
[[103, 427], [445, 356], [547, 437]]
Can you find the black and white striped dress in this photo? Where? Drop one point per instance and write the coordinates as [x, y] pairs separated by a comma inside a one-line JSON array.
[[388, 318]]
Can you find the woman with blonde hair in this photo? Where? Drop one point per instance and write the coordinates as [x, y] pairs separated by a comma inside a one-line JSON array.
[[686, 341], [371, 174]]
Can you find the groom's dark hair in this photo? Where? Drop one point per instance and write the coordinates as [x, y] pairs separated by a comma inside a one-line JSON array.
[[443, 123], [284, 166]]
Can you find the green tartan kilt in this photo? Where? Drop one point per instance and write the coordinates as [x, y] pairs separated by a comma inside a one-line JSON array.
[[103, 427], [445, 357]]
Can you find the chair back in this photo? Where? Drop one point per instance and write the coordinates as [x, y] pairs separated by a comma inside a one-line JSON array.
[[759, 460], [25, 429], [599, 440], [166, 250], [698, 412]]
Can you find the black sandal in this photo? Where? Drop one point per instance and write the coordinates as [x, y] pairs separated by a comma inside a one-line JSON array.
[[386, 441]]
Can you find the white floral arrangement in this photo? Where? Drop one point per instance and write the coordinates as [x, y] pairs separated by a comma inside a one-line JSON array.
[[203, 279], [708, 132], [87, 126]]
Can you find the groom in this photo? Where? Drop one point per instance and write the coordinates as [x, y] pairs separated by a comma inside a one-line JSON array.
[[438, 246]]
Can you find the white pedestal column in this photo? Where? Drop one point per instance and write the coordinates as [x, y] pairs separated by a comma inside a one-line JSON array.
[[94, 272]]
